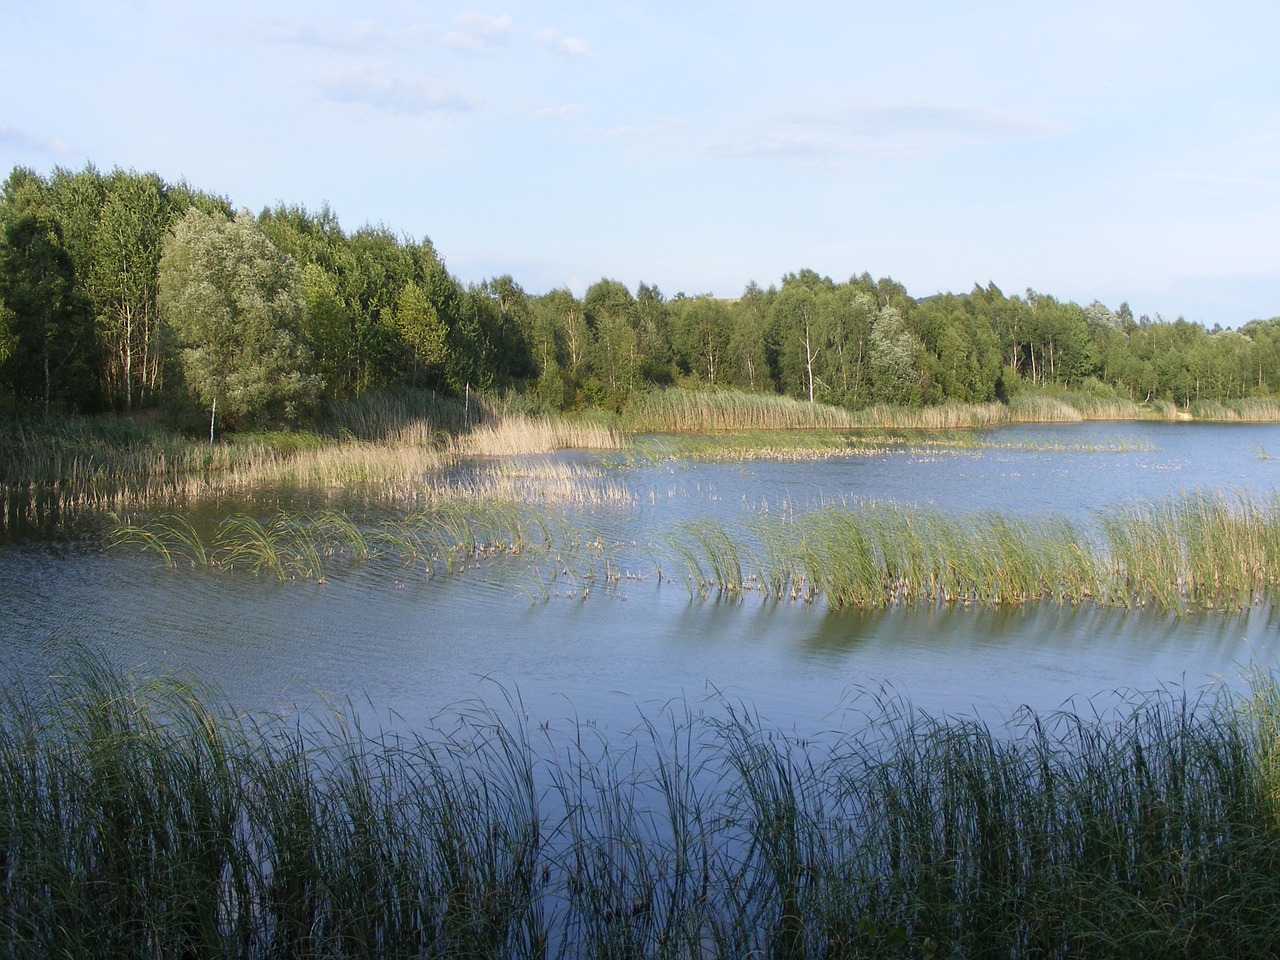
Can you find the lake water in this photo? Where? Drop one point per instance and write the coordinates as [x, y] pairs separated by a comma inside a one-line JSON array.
[[410, 647]]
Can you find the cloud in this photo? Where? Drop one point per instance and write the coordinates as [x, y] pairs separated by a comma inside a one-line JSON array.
[[570, 48], [886, 130], [1223, 180], [20, 140], [479, 34], [358, 35], [374, 86]]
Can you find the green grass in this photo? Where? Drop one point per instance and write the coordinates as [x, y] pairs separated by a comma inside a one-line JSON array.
[[145, 818]]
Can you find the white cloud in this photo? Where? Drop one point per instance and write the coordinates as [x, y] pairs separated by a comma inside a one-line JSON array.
[[20, 140], [358, 35], [570, 48], [565, 112], [374, 86], [479, 34], [887, 130]]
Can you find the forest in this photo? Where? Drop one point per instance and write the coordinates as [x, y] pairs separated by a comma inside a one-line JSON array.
[[121, 292]]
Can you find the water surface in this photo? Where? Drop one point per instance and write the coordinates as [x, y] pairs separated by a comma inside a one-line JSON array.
[[412, 646]]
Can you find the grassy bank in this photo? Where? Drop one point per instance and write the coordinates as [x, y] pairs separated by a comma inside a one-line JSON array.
[[144, 819], [681, 410], [381, 447]]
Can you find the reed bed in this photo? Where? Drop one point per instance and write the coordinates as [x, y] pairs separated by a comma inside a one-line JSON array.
[[305, 546], [691, 411], [1252, 409], [1204, 550], [380, 448], [147, 819], [948, 416], [679, 410], [522, 436]]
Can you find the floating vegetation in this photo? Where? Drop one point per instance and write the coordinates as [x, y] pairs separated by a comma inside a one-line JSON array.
[[145, 819], [805, 445]]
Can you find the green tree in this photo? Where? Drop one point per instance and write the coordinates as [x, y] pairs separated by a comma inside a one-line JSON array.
[[422, 330], [611, 315], [52, 352], [748, 350], [123, 269], [234, 306], [893, 360], [703, 325]]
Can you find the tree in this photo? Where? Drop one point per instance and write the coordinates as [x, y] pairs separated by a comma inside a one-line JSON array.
[[422, 330], [893, 356], [611, 314], [748, 349], [703, 326], [52, 355], [234, 307], [123, 269], [794, 318]]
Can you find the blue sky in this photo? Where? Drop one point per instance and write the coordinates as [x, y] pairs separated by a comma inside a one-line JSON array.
[[1124, 151]]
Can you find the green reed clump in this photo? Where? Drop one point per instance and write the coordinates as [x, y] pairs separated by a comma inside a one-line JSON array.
[[1203, 550], [882, 555], [708, 558], [143, 818], [301, 546], [680, 410]]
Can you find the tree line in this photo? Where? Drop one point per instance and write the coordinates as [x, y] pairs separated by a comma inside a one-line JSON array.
[[120, 291]]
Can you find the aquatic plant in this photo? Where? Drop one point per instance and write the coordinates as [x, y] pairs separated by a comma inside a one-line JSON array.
[[1203, 550], [146, 818]]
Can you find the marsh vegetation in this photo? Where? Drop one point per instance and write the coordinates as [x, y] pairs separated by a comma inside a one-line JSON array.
[[146, 818], [151, 818]]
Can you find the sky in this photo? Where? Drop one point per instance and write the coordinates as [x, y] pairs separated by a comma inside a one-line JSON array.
[[1119, 151]]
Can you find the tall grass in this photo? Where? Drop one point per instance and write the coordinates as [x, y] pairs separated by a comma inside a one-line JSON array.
[[303, 546], [146, 819], [379, 445], [680, 410], [1201, 550]]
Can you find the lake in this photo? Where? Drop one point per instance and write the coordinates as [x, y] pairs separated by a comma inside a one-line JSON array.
[[408, 647]]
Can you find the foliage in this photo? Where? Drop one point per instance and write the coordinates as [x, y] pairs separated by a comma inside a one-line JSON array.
[[382, 311], [48, 334], [233, 305]]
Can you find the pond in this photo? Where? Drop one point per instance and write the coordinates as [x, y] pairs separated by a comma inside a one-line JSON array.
[[409, 646]]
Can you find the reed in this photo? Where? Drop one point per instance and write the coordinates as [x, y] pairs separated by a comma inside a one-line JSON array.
[[521, 436], [304, 546], [715, 411], [680, 410], [1251, 409], [948, 416], [146, 818], [1205, 550]]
